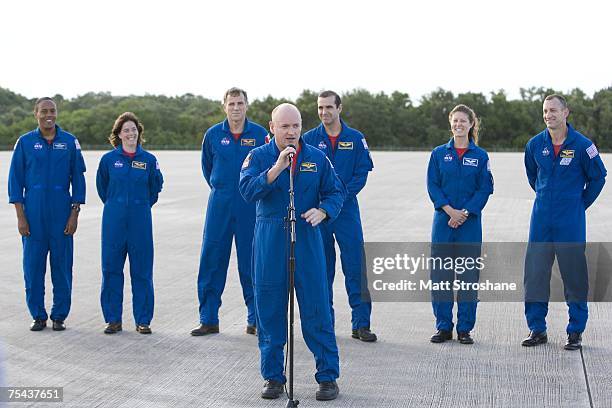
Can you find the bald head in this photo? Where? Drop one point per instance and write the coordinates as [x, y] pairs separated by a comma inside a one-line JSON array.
[[284, 109], [286, 125]]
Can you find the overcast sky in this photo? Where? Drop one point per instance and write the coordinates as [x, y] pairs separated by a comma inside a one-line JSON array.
[[280, 48]]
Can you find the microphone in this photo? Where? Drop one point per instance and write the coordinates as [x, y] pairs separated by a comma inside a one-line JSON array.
[[291, 155]]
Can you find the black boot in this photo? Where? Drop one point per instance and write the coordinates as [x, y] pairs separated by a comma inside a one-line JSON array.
[[272, 389], [59, 325], [535, 338], [441, 336], [574, 341], [364, 334], [204, 329], [328, 390], [112, 328], [38, 325], [465, 338]]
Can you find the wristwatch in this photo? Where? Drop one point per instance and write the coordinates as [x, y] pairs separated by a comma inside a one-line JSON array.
[[76, 207], [324, 212], [466, 212]]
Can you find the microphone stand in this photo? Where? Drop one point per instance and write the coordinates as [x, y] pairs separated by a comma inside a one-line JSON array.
[[291, 403]]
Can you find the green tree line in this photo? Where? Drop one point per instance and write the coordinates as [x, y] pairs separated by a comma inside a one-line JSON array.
[[389, 121]]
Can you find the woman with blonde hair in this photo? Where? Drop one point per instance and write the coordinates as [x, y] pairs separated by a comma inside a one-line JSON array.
[[459, 183]]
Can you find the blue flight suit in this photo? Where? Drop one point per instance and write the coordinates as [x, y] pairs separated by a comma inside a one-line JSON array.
[[128, 187], [227, 215], [565, 187], [51, 174], [462, 183], [352, 162], [316, 186]]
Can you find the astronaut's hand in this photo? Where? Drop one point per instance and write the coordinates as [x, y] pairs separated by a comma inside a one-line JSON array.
[[457, 217], [283, 158], [71, 225], [453, 224], [281, 164], [314, 216], [23, 226]]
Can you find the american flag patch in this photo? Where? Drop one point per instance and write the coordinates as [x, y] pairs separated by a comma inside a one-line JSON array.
[[592, 151]]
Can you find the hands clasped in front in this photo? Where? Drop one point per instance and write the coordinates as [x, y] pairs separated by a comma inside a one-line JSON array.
[[457, 217]]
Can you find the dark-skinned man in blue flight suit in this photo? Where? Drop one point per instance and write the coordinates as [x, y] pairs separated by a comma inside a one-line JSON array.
[[319, 195], [348, 151], [567, 174], [47, 186]]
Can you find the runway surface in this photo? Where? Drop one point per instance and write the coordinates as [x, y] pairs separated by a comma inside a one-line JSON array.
[[170, 368]]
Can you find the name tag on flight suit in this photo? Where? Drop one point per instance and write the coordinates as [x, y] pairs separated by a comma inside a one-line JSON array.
[[345, 145], [247, 142], [60, 146], [307, 166], [470, 162], [139, 165], [566, 157]]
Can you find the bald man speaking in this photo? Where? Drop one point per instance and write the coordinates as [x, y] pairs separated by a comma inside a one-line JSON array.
[[319, 195]]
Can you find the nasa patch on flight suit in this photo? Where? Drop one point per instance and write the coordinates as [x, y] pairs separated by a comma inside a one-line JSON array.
[[308, 166], [345, 145], [470, 162], [139, 165], [60, 146], [247, 142]]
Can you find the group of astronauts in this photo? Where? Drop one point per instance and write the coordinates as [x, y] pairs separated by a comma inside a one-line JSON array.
[[247, 171]]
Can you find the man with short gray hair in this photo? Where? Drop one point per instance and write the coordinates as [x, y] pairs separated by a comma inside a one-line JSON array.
[[228, 216]]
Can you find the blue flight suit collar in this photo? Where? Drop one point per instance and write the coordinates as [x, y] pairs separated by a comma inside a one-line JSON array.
[[451, 144], [226, 127], [322, 133], [119, 150], [569, 139], [58, 131]]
